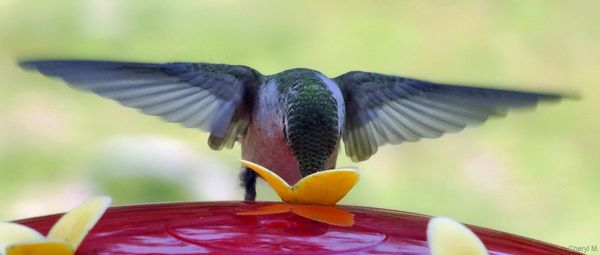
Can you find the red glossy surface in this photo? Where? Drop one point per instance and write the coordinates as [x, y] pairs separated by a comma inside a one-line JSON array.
[[197, 228]]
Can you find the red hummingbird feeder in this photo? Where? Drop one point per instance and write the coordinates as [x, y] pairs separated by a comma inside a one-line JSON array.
[[219, 228]]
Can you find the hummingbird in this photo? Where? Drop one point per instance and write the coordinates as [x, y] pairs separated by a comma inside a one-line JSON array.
[[293, 121]]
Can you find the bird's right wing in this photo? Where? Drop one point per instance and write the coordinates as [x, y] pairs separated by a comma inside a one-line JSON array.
[[198, 95], [384, 109]]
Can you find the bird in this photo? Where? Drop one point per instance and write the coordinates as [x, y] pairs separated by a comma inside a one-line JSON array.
[[291, 122]]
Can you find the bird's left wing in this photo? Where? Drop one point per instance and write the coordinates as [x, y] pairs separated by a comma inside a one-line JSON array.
[[197, 95], [384, 109]]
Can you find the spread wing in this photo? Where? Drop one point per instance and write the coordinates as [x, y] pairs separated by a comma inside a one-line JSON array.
[[198, 95], [383, 109]]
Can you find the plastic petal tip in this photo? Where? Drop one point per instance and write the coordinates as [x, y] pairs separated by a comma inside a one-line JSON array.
[[448, 237], [74, 225]]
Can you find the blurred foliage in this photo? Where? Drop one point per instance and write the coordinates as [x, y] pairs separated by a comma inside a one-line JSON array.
[[533, 173]]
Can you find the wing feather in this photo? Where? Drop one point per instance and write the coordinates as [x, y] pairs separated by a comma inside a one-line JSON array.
[[211, 97], [382, 109]]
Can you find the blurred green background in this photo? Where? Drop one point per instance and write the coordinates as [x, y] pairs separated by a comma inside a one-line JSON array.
[[534, 173]]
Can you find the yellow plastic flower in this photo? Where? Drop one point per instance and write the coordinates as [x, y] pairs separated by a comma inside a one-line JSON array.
[[63, 238], [312, 197], [321, 188], [448, 237]]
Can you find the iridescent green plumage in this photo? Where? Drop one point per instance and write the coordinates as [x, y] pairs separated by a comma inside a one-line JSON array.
[[311, 118]]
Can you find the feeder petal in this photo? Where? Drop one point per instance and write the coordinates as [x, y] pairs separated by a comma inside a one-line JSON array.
[[448, 237], [325, 214], [12, 233], [325, 187], [40, 248], [74, 225], [270, 209], [281, 187]]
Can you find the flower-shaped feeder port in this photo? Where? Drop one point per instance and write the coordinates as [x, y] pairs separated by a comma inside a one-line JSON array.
[[313, 196], [321, 188], [64, 237]]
